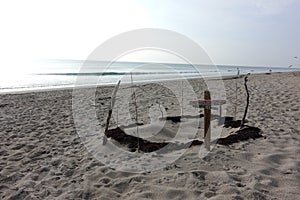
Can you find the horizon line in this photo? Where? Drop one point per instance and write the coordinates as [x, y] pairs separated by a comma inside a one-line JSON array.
[[150, 62]]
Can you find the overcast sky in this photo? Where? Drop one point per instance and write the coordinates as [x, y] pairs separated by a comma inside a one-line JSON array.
[[234, 32]]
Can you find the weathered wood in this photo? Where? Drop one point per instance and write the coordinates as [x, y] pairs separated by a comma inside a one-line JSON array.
[[207, 119], [112, 103], [220, 113], [247, 103], [236, 89], [207, 102], [204, 106], [136, 114], [162, 113], [181, 98]]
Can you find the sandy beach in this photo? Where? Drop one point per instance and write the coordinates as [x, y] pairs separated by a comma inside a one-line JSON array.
[[43, 157]]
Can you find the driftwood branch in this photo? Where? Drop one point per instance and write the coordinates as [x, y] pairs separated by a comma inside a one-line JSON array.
[[236, 90], [247, 103], [207, 119], [112, 103], [181, 98], [136, 114], [162, 113]]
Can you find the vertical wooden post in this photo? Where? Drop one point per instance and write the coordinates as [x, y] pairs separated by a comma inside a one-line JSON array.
[[236, 90], [112, 103], [136, 115], [247, 103], [220, 111], [181, 99], [207, 119]]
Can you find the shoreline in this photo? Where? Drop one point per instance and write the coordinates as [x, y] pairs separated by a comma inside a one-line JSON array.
[[71, 87]]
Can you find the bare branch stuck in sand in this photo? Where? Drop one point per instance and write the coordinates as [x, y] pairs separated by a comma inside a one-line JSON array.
[[136, 114], [162, 113], [247, 103], [113, 100], [181, 98], [207, 118], [236, 89]]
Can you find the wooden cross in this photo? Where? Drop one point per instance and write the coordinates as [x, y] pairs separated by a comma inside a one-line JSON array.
[[207, 104]]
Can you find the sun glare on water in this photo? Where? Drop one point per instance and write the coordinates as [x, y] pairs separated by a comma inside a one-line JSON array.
[[18, 68]]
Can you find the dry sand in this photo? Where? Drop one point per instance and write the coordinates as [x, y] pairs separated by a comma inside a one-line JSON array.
[[42, 156]]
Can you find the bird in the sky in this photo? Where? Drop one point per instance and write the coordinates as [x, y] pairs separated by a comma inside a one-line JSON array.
[[296, 57], [290, 66]]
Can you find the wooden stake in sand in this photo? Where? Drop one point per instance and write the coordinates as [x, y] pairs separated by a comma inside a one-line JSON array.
[[247, 103], [207, 118], [112, 103], [236, 88], [207, 104], [136, 114], [181, 99], [162, 113]]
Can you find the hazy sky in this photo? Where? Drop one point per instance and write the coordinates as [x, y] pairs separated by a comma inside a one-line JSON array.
[[239, 32]]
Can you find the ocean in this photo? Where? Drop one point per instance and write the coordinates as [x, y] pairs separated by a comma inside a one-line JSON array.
[[52, 74]]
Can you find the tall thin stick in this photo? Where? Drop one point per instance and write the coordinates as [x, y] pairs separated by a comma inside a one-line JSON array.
[[181, 98], [136, 114], [162, 113], [236, 88], [112, 103], [247, 103], [207, 119], [117, 115]]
